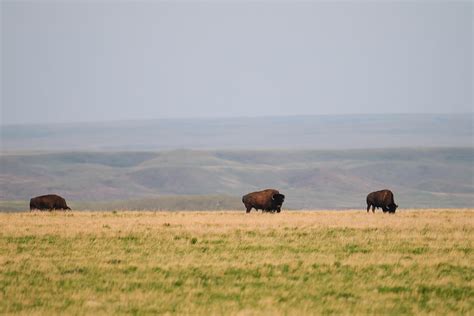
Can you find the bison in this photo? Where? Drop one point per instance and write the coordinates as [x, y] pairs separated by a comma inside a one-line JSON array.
[[268, 200], [48, 202], [382, 199]]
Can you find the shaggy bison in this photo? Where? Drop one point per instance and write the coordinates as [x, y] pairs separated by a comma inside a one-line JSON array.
[[268, 200], [382, 199], [48, 202]]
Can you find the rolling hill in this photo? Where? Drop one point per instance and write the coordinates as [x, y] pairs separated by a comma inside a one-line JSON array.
[[216, 179]]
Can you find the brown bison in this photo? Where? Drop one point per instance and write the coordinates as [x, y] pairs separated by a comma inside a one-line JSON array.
[[382, 199], [268, 200], [48, 202]]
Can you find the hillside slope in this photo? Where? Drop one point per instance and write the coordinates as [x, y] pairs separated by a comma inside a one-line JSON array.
[[437, 177]]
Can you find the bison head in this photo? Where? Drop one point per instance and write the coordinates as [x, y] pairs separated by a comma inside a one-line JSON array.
[[278, 199], [392, 208]]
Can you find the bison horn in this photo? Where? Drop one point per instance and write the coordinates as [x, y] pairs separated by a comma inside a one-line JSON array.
[[273, 197]]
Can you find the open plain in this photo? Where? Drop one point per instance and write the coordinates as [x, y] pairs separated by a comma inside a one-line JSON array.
[[311, 262]]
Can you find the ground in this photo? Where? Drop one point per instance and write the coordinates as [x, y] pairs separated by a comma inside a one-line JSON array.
[[310, 262]]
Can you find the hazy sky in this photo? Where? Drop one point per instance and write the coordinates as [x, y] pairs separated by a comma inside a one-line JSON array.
[[110, 60]]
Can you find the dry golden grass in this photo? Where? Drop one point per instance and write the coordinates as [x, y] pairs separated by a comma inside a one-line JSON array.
[[350, 262]]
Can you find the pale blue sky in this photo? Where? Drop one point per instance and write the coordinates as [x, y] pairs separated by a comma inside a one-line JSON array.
[[110, 60]]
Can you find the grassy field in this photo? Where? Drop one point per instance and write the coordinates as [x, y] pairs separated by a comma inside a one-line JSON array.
[[349, 262]]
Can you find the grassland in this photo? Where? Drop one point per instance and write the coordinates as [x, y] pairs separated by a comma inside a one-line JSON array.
[[349, 262]]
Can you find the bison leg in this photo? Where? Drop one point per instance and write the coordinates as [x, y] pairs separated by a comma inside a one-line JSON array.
[[368, 207], [248, 209], [373, 208]]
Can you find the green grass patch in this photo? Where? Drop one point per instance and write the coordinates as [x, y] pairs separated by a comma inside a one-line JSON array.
[[178, 265]]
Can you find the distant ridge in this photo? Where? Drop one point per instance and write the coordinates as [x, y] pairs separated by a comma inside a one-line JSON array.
[[208, 179], [292, 132]]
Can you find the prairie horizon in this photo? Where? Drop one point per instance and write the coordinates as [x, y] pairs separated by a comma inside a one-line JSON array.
[[160, 123], [310, 132]]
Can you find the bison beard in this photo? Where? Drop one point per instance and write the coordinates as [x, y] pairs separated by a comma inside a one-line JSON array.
[[48, 202], [268, 200], [382, 199]]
